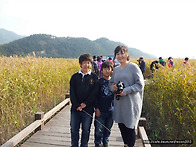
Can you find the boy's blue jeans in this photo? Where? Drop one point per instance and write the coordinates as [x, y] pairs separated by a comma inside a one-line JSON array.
[[101, 133], [78, 118]]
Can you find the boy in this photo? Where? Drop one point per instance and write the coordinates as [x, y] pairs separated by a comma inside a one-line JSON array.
[[104, 107], [83, 91]]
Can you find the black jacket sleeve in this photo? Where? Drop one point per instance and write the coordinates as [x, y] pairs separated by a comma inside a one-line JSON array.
[[74, 101]]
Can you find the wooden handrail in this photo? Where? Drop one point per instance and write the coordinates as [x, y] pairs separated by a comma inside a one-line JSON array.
[[38, 123], [25, 132], [21, 135], [143, 136], [55, 109]]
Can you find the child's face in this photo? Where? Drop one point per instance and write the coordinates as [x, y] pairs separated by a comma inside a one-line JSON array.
[[107, 72], [85, 66]]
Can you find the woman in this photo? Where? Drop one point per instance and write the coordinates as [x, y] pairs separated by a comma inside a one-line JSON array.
[[128, 103]]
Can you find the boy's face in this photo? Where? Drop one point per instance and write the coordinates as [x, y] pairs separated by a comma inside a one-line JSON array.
[[107, 72], [85, 66]]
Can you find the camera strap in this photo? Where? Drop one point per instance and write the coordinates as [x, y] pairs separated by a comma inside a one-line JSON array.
[[97, 120]]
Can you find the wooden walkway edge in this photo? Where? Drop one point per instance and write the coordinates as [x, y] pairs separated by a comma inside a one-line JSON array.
[[56, 132], [36, 125]]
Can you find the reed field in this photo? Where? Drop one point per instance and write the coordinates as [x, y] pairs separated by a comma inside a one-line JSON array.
[[31, 84], [170, 104]]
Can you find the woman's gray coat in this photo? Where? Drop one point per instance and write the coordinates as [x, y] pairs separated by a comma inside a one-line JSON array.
[[128, 109]]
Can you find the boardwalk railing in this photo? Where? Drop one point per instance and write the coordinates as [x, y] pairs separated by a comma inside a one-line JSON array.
[[40, 120], [38, 124]]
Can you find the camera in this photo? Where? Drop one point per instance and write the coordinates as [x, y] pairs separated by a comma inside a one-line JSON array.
[[120, 86]]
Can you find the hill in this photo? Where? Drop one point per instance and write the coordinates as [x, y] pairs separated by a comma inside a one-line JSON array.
[[8, 36], [63, 47]]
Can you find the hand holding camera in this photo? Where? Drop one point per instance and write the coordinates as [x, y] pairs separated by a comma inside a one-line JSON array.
[[120, 86]]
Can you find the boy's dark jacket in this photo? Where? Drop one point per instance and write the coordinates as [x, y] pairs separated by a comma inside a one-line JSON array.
[[104, 101], [83, 90]]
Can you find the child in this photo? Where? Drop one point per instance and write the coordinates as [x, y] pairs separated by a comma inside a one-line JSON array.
[[83, 91], [104, 107]]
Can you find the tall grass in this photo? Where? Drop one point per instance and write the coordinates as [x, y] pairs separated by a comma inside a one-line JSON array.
[[31, 84], [28, 85], [170, 103]]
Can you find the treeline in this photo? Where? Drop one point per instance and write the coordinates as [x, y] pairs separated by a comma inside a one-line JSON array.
[[63, 47]]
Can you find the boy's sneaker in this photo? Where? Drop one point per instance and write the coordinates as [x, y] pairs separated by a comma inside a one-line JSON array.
[[105, 145], [97, 145]]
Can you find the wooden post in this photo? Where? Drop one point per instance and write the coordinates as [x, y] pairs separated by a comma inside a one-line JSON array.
[[39, 116], [67, 95], [38, 124], [142, 122], [144, 137]]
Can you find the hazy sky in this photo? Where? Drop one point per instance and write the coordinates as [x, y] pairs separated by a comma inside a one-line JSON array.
[[160, 27]]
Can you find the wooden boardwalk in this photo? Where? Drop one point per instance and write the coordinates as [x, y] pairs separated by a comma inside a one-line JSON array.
[[56, 133]]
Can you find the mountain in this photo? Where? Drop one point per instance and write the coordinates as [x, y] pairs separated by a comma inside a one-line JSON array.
[[44, 45], [8, 36]]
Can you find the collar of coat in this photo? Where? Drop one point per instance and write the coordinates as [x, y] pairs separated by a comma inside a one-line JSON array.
[[80, 72]]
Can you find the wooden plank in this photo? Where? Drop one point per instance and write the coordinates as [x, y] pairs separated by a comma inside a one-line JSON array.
[[34, 144], [57, 133], [25, 132], [143, 136], [20, 136]]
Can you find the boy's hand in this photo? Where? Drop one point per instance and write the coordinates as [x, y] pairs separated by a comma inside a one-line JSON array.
[[79, 108], [115, 88], [97, 112], [83, 105]]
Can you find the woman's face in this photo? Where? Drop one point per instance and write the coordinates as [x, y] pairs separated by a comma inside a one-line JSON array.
[[122, 56]]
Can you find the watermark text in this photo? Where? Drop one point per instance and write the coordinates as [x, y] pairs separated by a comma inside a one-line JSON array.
[[167, 141]]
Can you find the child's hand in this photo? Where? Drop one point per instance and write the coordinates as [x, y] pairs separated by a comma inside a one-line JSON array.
[[97, 112], [115, 88], [79, 108], [83, 105]]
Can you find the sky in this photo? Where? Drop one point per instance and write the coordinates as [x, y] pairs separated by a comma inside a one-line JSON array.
[[160, 27]]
